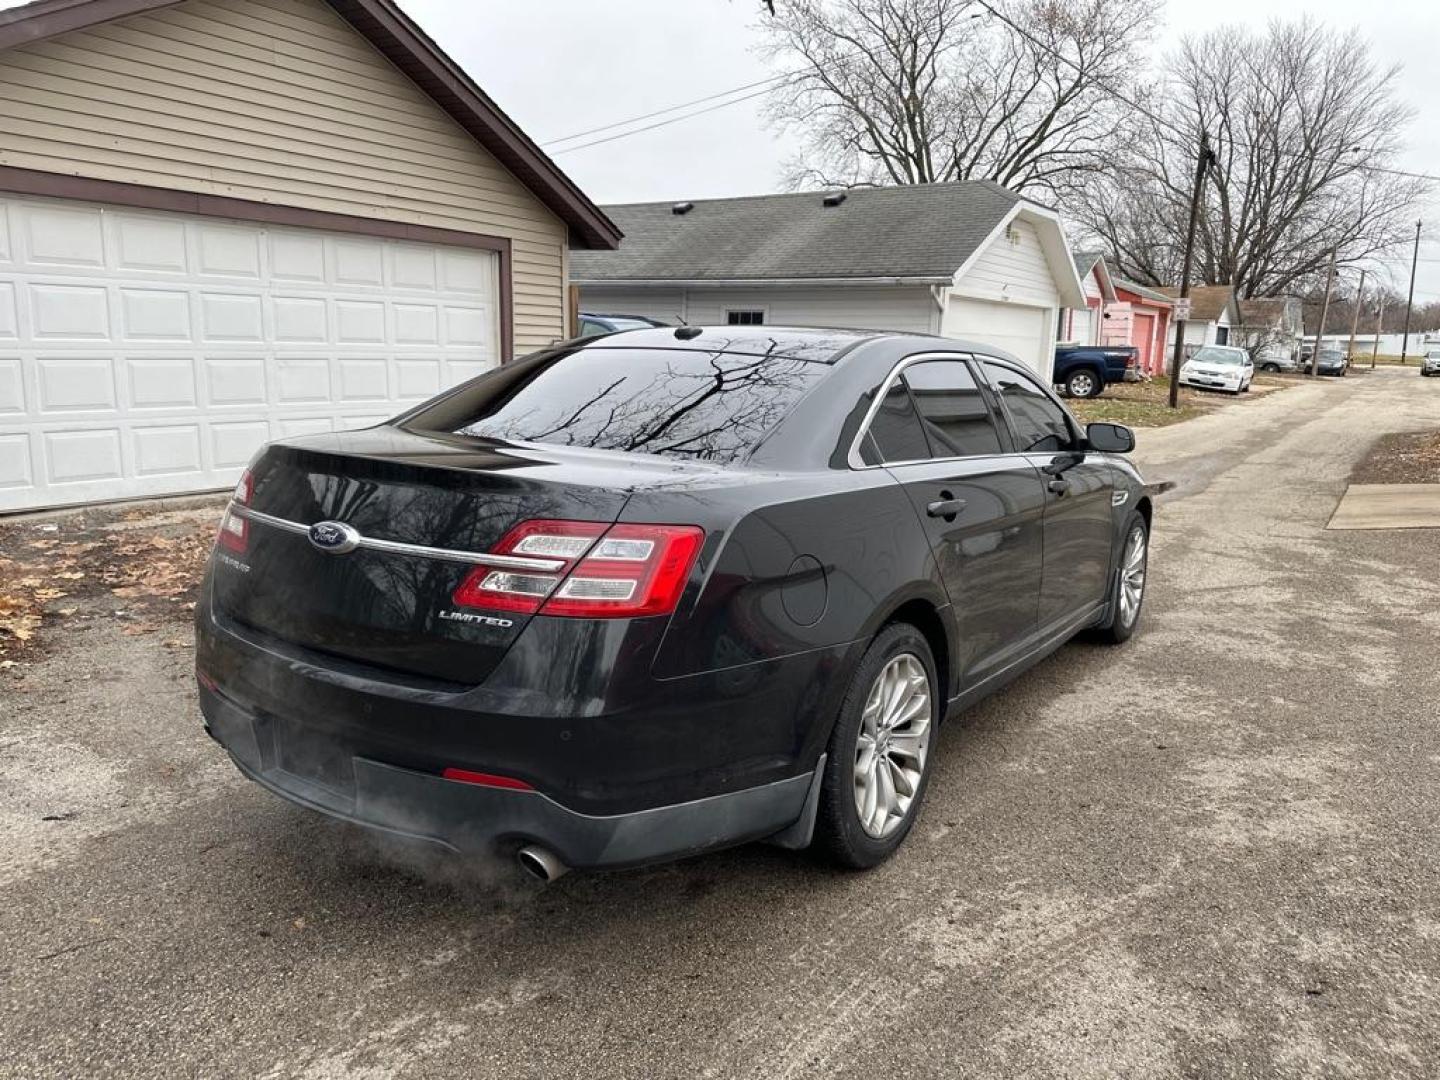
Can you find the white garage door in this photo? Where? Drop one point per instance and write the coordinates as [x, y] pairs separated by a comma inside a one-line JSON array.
[[1026, 332], [149, 353]]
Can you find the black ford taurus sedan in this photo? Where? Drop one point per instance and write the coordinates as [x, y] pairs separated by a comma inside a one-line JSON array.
[[662, 591]]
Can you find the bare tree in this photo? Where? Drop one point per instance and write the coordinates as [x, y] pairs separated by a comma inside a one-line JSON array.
[[920, 91], [1424, 319], [1304, 125]]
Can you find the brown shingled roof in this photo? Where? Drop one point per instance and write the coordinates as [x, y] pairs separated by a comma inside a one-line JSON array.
[[1206, 301]]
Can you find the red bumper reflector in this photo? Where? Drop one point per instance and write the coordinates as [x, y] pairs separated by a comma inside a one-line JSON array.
[[485, 779]]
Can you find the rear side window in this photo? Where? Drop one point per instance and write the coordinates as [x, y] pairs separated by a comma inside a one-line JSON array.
[[957, 419], [679, 403], [895, 431], [1040, 425]]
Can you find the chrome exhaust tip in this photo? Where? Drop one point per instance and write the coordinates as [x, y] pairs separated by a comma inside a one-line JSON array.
[[540, 863]]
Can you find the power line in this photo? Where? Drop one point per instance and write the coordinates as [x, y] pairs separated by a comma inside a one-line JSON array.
[[659, 123], [840, 61], [669, 109]]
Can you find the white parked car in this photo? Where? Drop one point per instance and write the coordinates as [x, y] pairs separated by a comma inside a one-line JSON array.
[[1430, 365], [1219, 367]]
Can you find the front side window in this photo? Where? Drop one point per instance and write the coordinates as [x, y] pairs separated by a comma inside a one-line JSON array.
[[745, 318], [710, 406], [957, 419], [1040, 425]]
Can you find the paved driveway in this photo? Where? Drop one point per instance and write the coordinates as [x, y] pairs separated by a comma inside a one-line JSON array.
[[1211, 853]]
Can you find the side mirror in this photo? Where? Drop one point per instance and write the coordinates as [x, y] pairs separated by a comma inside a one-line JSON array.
[[1110, 438]]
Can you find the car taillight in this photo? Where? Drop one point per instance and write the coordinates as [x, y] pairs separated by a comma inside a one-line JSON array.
[[234, 529], [623, 571]]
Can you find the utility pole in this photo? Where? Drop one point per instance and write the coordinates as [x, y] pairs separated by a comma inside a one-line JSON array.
[[1324, 314], [1355, 322], [1410, 302], [1379, 328], [1202, 162]]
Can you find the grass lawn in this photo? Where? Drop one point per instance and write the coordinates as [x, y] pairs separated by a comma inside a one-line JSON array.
[[1362, 359], [1146, 404]]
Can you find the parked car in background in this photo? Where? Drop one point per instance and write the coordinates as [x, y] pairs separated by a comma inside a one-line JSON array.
[[1331, 361], [594, 325], [1430, 365], [1275, 357], [1084, 371], [1219, 367], [640, 596]]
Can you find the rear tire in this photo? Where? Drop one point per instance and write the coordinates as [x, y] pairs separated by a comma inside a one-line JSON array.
[[876, 752], [1127, 593], [1084, 384]]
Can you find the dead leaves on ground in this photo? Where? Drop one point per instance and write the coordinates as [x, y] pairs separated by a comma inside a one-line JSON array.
[[1408, 458], [155, 572]]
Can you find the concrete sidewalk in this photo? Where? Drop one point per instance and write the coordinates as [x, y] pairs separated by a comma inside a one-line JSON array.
[[1388, 506]]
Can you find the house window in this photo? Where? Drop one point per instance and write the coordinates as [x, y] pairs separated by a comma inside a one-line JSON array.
[[1222, 335], [745, 318]]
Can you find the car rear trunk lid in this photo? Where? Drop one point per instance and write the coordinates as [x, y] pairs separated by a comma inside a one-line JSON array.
[[393, 608]]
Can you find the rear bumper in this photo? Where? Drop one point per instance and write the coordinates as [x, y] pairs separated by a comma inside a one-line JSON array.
[[636, 770], [469, 819]]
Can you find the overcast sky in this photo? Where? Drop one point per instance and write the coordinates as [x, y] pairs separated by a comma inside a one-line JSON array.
[[560, 67]]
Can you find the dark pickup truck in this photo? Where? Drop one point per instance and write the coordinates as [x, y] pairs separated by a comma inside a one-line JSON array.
[[1085, 370]]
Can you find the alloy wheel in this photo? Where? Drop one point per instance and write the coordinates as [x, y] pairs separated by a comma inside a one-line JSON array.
[[893, 745], [1082, 385], [1132, 576]]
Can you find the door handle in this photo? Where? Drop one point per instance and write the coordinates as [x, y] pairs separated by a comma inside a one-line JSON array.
[[1059, 485], [947, 506]]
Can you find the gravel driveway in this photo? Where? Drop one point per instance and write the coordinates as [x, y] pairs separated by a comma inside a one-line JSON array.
[[1211, 853]]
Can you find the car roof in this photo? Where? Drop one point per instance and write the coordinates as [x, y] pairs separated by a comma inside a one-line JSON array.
[[809, 342]]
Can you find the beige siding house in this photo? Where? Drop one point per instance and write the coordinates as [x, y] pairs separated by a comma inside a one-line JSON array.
[[223, 221], [970, 260]]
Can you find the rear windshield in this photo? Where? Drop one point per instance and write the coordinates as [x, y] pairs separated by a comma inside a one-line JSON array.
[[710, 406]]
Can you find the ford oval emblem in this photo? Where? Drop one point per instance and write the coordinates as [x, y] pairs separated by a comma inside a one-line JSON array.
[[334, 537]]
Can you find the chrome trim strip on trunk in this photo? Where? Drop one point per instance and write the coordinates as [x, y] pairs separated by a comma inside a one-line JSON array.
[[394, 547]]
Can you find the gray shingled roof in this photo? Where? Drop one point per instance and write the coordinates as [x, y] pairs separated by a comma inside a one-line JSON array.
[[1144, 290], [920, 231], [1085, 261]]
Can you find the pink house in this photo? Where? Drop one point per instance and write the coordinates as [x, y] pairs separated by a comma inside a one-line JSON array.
[[1118, 312], [1141, 317], [1084, 326]]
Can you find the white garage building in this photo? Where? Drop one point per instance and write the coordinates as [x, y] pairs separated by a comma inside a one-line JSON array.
[[968, 260], [229, 221]]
